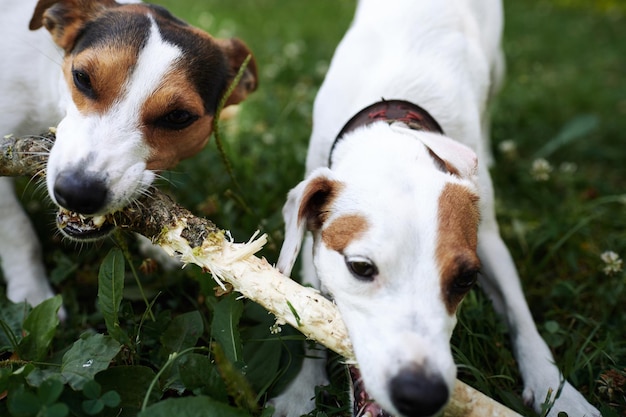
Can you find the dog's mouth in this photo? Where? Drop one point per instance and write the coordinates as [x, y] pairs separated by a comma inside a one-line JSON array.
[[363, 405], [84, 228]]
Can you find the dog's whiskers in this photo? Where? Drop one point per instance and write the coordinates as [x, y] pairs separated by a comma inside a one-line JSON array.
[[39, 181], [137, 202], [163, 178]]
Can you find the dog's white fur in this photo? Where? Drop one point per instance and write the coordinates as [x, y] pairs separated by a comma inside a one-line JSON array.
[[29, 104], [111, 134], [384, 192]]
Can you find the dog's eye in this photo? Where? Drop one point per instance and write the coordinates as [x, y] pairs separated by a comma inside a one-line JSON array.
[[176, 120], [82, 81], [465, 281], [362, 268]]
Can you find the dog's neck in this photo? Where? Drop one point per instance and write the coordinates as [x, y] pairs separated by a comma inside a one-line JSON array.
[[389, 111]]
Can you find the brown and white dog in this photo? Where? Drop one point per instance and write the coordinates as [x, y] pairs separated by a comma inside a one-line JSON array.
[[401, 215], [133, 89]]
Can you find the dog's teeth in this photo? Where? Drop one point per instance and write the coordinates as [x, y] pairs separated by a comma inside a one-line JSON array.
[[367, 414], [98, 220]]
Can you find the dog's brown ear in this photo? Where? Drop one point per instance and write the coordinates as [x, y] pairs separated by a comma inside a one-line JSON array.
[[64, 18], [306, 209], [236, 52]]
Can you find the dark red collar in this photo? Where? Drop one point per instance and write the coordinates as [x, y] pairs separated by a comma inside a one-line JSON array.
[[390, 111]]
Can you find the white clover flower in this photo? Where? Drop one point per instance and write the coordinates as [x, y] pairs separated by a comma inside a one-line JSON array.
[[206, 20], [268, 138], [508, 148], [293, 50], [271, 70], [541, 170], [321, 68], [275, 328], [228, 29], [301, 89], [568, 167], [612, 262]]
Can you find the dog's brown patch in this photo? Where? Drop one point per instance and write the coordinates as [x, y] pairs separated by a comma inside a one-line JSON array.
[[343, 230], [107, 68], [457, 240], [64, 19], [168, 146]]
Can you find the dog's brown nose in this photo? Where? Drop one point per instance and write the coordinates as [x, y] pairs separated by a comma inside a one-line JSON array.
[[416, 394], [80, 192]]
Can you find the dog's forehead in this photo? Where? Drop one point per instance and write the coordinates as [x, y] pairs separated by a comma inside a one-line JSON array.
[[129, 25], [124, 26], [367, 214], [127, 29], [435, 218]]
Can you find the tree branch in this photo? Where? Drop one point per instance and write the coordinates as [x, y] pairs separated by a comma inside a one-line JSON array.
[[25, 157], [196, 240]]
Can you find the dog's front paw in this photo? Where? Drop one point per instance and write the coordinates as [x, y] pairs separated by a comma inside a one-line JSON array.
[[294, 402], [299, 397], [569, 400], [33, 294]]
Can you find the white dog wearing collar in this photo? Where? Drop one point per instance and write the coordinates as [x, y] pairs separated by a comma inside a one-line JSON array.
[[401, 215]]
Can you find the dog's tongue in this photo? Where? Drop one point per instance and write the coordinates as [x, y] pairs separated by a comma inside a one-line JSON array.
[[364, 406]]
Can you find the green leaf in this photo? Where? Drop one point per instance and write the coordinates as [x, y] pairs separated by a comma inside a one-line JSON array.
[[40, 326], [64, 268], [131, 382], [192, 407], [111, 399], [183, 332], [551, 326], [575, 129], [224, 327], [110, 291], [39, 375], [93, 407], [11, 318], [199, 374], [86, 358], [5, 374], [92, 390], [262, 354], [23, 403], [49, 391], [57, 410]]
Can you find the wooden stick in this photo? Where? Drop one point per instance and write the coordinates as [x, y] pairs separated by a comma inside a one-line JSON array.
[[25, 157], [196, 240]]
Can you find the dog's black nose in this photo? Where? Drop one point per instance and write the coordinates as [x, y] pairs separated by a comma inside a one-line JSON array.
[[78, 192], [415, 394]]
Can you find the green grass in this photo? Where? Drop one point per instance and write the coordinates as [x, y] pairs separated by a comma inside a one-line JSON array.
[[564, 100]]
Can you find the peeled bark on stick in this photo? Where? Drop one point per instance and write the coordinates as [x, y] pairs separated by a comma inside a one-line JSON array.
[[198, 241]]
